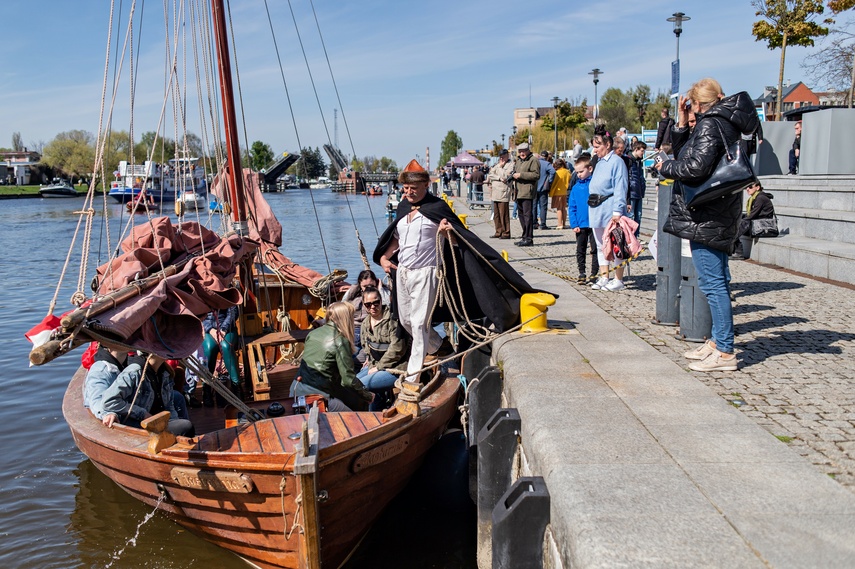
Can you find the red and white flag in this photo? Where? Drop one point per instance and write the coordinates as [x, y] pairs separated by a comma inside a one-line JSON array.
[[41, 332]]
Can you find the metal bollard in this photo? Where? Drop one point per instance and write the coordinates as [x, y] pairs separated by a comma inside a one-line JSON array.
[[519, 522], [695, 316], [485, 397], [668, 270], [497, 444]]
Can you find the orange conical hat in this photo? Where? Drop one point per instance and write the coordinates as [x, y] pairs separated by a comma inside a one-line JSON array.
[[413, 173], [413, 166]]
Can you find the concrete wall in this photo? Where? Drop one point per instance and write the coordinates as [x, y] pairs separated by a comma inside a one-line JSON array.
[[773, 154], [827, 142]]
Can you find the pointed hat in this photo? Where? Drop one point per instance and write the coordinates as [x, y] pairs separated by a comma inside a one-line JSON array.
[[413, 173]]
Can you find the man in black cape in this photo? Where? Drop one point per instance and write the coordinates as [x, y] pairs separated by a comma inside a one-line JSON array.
[[489, 288]]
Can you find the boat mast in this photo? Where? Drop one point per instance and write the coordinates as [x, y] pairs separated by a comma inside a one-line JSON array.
[[235, 172]]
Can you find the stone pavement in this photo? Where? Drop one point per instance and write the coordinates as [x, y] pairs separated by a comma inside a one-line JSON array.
[[795, 339]]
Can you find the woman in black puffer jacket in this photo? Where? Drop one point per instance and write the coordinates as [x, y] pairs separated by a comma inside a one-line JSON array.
[[711, 228]]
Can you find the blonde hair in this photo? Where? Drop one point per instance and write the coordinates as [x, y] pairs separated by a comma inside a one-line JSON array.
[[341, 314], [705, 92]]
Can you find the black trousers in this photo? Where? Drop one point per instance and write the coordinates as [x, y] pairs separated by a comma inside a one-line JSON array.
[[584, 243], [526, 219]]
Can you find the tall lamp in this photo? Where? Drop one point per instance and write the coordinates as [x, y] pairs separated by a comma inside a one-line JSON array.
[[529, 131], [678, 18], [555, 123], [596, 72]]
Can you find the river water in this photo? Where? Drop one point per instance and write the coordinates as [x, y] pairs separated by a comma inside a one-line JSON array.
[[58, 510]]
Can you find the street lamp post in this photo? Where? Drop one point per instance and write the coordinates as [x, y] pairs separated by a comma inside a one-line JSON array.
[[555, 123], [503, 141], [512, 142], [678, 18], [529, 131], [596, 72]]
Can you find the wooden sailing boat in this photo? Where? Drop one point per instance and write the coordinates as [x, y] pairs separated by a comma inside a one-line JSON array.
[[294, 491]]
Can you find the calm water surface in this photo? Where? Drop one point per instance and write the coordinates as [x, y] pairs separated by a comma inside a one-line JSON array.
[[58, 510]]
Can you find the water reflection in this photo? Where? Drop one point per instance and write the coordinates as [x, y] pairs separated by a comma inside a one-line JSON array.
[[105, 518]]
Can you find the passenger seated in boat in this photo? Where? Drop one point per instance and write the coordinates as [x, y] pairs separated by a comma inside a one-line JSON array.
[[327, 367], [366, 279], [104, 370], [386, 353], [221, 338], [156, 394]]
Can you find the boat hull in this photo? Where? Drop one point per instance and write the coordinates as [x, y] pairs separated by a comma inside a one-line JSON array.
[[363, 464], [59, 192]]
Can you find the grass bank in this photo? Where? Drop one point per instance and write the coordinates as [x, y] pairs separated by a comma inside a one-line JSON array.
[[13, 191]]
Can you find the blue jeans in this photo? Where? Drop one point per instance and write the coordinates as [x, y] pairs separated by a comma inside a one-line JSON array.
[[541, 204], [714, 280], [380, 383], [636, 213]]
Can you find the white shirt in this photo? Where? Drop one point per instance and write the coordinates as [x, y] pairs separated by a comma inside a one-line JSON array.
[[416, 242]]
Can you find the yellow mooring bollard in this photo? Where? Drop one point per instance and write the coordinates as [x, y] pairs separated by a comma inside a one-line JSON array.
[[531, 305], [462, 217]]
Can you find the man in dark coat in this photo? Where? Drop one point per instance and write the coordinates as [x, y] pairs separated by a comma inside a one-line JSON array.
[[663, 133], [485, 283]]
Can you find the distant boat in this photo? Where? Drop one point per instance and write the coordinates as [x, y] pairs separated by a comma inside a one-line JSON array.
[[321, 184], [59, 189], [181, 177]]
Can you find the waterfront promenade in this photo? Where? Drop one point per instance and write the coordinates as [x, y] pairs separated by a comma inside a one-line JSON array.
[[649, 464]]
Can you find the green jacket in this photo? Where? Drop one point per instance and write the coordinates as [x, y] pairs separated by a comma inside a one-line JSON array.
[[327, 368], [529, 171], [383, 348]]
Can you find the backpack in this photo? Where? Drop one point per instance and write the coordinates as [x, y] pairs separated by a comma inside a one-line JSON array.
[[620, 247]]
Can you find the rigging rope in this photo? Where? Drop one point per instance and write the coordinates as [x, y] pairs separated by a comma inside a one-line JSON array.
[[296, 131], [343, 117], [329, 140]]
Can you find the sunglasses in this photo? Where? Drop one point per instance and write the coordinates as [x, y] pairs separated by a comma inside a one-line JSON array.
[[372, 304]]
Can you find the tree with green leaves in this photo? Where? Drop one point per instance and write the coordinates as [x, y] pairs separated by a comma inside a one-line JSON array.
[[451, 145], [310, 165], [787, 22], [72, 152], [261, 155], [163, 148]]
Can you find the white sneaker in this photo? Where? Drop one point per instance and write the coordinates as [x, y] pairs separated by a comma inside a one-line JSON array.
[[715, 362], [614, 285], [601, 282], [701, 352]]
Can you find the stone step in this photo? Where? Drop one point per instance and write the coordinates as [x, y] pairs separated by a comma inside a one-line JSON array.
[[812, 192], [816, 257], [829, 225]]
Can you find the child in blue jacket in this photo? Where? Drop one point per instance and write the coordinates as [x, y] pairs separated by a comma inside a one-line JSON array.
[[579, 217]]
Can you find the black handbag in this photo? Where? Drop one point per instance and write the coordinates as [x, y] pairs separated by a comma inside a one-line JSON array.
[[732, 174], [596, 200], [765, 227]]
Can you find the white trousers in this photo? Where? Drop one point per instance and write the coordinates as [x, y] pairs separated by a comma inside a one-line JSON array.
[[416, 290]]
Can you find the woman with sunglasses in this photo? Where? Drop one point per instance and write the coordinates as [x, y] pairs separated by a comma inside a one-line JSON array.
[[386, 353]]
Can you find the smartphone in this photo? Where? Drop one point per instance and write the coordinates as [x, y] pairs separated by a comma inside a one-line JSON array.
[[660, 157]]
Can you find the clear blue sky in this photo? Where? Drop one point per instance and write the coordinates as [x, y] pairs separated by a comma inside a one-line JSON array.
[[407, 72]]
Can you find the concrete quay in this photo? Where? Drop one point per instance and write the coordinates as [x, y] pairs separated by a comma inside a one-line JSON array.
[[650, 465]]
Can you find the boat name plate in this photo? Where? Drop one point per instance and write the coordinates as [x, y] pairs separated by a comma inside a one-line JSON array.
[[380, 454], [213, 480]]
